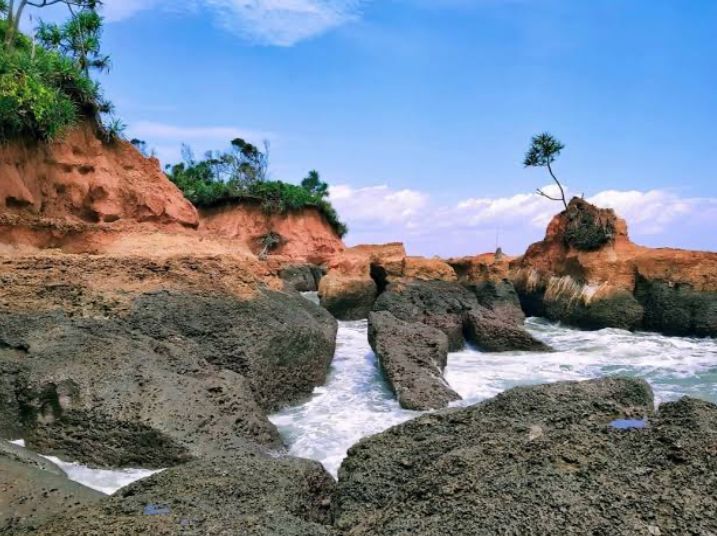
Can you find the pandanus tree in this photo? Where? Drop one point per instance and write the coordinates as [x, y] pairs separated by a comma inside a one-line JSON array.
[[13, 11], [313, 183], [544, 149], [79, 39]]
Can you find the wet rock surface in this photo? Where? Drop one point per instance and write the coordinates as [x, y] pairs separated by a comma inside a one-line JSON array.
[[246, 493], [677, 309], [492, 334], [413, 357], [457, 311], [439, 304], [32, 491], [176, 375], [539, 460]]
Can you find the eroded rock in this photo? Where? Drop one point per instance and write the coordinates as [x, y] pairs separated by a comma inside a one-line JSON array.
[[413, 357]]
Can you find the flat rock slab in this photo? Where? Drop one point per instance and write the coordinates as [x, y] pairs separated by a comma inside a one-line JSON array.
[[244, 494], [32, 491], [413, 357], [492, 334], [539, 460]]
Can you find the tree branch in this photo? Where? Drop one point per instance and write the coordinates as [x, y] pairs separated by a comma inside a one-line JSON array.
[[542, 193], [562, 192]]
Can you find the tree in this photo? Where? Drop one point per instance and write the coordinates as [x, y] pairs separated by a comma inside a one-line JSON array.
[[14, 10], [544, 149], [78, 39], [313, 183]]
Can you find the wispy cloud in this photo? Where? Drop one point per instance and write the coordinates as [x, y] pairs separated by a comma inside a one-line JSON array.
[[266, 22], [223, 134]]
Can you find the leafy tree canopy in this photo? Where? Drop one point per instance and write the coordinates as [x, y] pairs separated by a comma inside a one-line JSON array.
[[241, 174]]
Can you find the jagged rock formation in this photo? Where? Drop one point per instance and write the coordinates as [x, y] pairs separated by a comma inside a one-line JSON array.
[[538, 460], [413, 357], [588, 273]]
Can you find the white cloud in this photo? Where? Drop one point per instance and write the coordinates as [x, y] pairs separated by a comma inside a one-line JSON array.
[[649, 212], [380, 214], [266, 22], [379, 205]]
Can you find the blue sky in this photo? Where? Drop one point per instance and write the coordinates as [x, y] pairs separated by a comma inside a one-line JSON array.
[[418, 112]]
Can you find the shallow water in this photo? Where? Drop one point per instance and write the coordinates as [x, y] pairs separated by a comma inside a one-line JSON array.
[[356, 402]]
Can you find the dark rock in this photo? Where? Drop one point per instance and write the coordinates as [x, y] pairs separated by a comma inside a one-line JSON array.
[[32, 491], [413, 357], [439, 304], [347, 298], [302, 277], [493, 334], [538, 460], [501, 298], [177, 375], [677, 309], [246, 494], [455, 310], [618, 310]]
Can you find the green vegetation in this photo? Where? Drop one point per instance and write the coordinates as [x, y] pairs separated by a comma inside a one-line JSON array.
[[45, 83], [585, 231], [241, 175], [544, 149]]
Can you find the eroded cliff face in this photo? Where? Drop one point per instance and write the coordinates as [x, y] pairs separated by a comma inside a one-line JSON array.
[[304, 236], [79, 179], [593, 276]]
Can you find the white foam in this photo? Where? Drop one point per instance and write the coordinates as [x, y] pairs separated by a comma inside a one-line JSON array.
[[356, 402], [106, 481]]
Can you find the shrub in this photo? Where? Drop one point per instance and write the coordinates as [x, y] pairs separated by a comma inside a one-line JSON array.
[[211, 182], [42, 92]]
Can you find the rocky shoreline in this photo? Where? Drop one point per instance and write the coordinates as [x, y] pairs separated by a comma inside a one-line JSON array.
[[135, 331]]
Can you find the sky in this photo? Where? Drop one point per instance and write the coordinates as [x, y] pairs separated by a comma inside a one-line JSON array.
[[418, 112]]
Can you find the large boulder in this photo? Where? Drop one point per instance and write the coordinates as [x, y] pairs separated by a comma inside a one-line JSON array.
[[247, 494], [439, 304], [347, 297], [32, 491], [166, 376], [500, 297], [301, 277], [456, 310], [539, 460], [493, 334], [413, 357]]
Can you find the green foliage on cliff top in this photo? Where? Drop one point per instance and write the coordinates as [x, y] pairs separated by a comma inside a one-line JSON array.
[[45, 86], [240, 175]]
